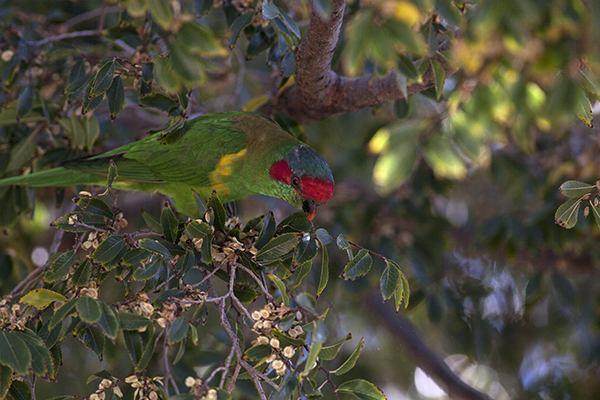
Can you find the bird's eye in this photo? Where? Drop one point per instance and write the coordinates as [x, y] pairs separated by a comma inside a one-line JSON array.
[[295, 181]]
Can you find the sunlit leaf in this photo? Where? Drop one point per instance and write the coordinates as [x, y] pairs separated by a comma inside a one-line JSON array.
[[351, 361], [361, 389], [41, 298], [162, 12], [359, 266], [566, 215], [576, 188]]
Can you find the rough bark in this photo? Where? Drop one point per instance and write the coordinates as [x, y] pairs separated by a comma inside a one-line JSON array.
[[320, 93]]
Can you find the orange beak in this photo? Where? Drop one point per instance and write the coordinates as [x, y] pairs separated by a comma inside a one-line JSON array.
[[311, 214]]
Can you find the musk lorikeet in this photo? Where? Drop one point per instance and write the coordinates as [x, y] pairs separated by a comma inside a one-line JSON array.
[[237, 154]]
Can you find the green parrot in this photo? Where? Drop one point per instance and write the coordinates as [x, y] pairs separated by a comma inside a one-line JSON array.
[[236, 154]]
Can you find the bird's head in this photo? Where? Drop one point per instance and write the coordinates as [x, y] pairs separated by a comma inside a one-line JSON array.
[[304, 179]]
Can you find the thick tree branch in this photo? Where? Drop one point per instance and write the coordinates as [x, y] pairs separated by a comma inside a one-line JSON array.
[[320, 93], [407, 336]]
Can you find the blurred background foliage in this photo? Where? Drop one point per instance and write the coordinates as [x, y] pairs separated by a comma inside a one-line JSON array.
[[457, 183]]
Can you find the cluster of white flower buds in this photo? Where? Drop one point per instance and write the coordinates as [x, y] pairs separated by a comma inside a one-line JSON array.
[[195, 384], [105, 385], [145, 387], [11, 317], [266, 319]]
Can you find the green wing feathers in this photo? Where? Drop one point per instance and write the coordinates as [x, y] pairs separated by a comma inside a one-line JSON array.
[[54, 177]]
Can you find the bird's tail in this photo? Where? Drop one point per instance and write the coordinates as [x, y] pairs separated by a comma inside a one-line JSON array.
[[54, 177]]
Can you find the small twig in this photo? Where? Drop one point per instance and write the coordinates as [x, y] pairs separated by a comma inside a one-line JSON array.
[[328, 374], [102, 16], [257, 279], [227, 364], [58, 38], [236, 372], [91, 15], [168, 376]]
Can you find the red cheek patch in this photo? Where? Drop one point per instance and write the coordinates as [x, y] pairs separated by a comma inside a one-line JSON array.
[[280, 171], [319, 189]]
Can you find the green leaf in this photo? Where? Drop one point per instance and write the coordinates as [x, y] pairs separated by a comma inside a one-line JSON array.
[[200, 203], [135, 256], [95, 206], [576, 188], [185, 263], [25, 103], [269, 10], [297, 222], [115, 96], [109, 321], [152, 222], [60, 267], [5, 380], [267, 232], [103, 79], [62, 313], [203, 7], [186, 63], [324, 271], [343, 244], [361, 389], [402, 108], [324, 236], [14, 353], [93, 339], [112, 174], [220, 216], [407, 68], [351, 361], [291, 24], [238, 25], [329, 352], [301, 274], [306, 250], [131, 321], [19, 390], [90, 103], [149, 271], [445, 160], [158, 101], [198, 230], [22, 152], [394, 168], [311, 360], [583, 107], [89, 309], [566, 215], [596, 212], [281, 286], [245, 293], [178, 330], [41, 360], [154, 246], [359, 266], [277, 247], [449, 11], [389, 281], [162, 12], [440, 78], [402, 293], [200, 40], [109, 248], [258, 352], [170, 225], [41, 298], [308, 302]]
